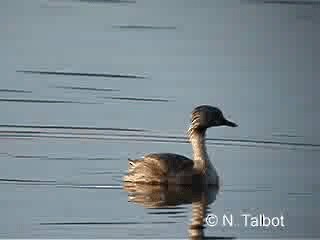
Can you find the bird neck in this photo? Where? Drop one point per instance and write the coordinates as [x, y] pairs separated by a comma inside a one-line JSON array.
[[200, 155]]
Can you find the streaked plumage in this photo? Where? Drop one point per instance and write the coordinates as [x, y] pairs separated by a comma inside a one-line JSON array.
[[169, 168]]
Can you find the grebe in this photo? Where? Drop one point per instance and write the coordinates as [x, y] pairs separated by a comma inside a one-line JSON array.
[[170, 168]]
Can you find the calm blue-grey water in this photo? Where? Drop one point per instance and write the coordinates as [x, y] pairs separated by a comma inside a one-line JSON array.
[[117, 79]]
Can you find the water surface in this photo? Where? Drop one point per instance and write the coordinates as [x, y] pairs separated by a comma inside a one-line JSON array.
[[85, 85]]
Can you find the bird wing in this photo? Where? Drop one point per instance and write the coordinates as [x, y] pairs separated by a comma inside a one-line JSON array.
[[169, 162], [157, 167]]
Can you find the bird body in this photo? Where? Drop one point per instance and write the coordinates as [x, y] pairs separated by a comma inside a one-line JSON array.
[[170, 168]]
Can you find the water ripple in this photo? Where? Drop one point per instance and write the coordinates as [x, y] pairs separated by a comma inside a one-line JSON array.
[[14, 91], [42, 101], [291, 2], [105, 223], [139, 135], [16, 180], [138, 99], [54, 183], [166, 212], [74, 158], [300, 194], [107, 75], [88, 186], [70, 127], [286, 2], [145, 27], [107, 1], [88, 89]]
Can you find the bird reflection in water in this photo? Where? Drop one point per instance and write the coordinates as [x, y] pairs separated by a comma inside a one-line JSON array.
[[170, 196]]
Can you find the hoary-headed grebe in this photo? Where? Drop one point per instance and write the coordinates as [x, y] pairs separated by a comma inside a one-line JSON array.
[[170, 168]]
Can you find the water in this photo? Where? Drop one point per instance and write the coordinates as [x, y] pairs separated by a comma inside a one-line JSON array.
[[117, 79]]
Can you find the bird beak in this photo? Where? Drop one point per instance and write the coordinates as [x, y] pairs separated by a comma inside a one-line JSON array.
[[230, 124]]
